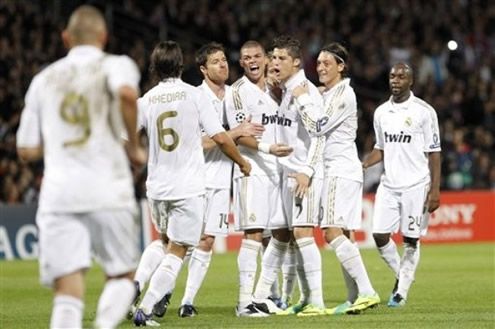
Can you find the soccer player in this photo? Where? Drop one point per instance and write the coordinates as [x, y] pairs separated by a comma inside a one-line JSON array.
[[302, 175], [212, 63], [75, 110], [257, 203], [173, 114], [341, 199], [408, 142]]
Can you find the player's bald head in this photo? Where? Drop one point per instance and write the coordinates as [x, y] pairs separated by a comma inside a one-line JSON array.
[[86, 26]]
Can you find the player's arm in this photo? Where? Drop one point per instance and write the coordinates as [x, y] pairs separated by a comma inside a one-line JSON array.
[[29, 140], [277, 149], [373, 158], [303, 177], [319, 120], [434, 162], [227, 146], [245, 129]]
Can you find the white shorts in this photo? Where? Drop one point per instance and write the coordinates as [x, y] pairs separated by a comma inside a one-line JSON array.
[[305, 211], [404, 209], [181, 220], [257, 203], [341, 203], [216, 221], [68, 241]]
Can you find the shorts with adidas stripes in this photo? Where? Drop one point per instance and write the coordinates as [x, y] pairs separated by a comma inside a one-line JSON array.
[[216, 221], [401, 209], [181, 220], [68, 241], [341, 203], [257, 203], [305, 211]]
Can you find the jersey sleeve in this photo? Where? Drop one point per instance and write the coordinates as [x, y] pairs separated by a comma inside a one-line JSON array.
[[122, 71], [379, 144], [431, 132], [29, 132], [141, 115], [208, 118]]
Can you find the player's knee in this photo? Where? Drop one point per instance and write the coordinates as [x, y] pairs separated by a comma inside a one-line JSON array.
[[381, 239], [206, 243], [303, 232], [413, 242], [331, 233]]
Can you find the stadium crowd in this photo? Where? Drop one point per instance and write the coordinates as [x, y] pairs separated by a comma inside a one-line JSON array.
[[458, 82]]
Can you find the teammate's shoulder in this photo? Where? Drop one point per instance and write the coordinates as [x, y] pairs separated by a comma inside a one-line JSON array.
[[239, 84], [383, 107], [422, 104]]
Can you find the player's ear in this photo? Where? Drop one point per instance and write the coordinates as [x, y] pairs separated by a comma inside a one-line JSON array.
[[297, 62], [202, 69], [66, 39], [340, 67]]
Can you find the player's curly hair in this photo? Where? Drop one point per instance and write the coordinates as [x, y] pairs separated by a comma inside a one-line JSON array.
[[292, 45], [340, 53], [166, 60]]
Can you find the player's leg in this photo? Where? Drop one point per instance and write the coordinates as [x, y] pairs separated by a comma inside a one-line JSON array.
[[275, 288], [64, 255], [304, 219], [386, 220], [275, 252], [247, 259], [413, 225], [342, 204], [289, 276], [184, 225], [216, 224], [115, 243]]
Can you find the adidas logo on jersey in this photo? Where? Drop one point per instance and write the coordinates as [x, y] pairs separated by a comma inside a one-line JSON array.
[[397, 138], [282, 121]]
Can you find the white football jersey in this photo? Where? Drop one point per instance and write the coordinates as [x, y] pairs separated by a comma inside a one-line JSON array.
[[245, 99], [72, 111], [406, 132], [293, 131], [337, 120], [173, 114], [218, 165]]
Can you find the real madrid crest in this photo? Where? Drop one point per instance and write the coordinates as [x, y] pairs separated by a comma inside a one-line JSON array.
[[408, 122], [252, 217]]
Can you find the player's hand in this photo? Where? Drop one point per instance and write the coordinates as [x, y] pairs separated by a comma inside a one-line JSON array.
[[302, 184], [137, 155], [245, 168], [280, 150], [247, 128], [432, 201], [299, 90], [322, 89], [272, 82]]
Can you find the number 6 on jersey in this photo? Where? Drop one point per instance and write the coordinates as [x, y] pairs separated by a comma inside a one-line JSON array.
[[162, 132]]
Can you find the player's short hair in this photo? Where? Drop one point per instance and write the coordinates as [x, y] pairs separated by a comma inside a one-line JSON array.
[[292, 45], [167, 60], [206, 50], [252, 44], [340, 53]]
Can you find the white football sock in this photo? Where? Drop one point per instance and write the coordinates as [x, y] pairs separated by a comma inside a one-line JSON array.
[[247, 262], [391, 256], [312, 268], [270, 266], [304, 292], [275, 288], [151, 258], [114, 302], [162, 281], [352, 289], [350, 258], [67, 312], [408, 265], [198, 266], [289, 273]]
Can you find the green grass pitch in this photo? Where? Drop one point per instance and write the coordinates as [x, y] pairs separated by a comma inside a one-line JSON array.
[[454, 288]]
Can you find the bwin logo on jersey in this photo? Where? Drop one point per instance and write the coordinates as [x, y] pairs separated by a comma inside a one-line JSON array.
[[397, 138], [282, 121]]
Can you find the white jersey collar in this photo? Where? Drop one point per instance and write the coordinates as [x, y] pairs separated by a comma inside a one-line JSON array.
[[404, 105], [85, 51], [295, 80], [210, 92]]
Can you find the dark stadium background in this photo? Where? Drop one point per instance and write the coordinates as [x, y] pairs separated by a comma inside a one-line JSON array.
[[459, 84]]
